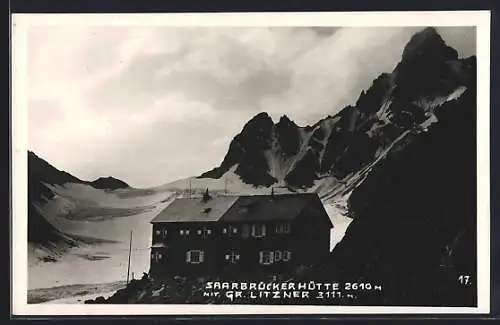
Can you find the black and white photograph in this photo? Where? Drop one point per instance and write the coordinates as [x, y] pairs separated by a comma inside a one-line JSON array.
[[229, 161]]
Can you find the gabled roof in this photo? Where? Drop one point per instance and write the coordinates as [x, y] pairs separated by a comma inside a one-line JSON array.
[[237, 208], [195, 210]]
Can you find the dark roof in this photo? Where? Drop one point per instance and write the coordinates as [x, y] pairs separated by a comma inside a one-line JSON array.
[[195, 210], [268, 207], [237, 208]]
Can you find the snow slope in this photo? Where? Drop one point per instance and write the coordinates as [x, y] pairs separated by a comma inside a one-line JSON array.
[[107, 217]]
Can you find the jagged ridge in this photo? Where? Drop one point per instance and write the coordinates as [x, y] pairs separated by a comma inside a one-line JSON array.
[[428, 75]]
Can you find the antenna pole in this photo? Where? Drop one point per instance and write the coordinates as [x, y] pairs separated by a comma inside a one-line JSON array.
[[129, 253], [225, 186]]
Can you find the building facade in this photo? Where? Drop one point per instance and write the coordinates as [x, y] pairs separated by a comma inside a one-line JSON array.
[[209, 235]]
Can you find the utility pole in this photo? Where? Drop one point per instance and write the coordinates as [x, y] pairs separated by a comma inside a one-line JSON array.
[[189, 196], [129, 253]]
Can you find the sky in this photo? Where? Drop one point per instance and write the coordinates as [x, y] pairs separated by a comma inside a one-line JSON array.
[[151, 105]]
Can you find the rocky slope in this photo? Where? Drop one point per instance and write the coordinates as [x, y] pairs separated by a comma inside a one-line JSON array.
[[41, 177], [266, 153], [414, 227]]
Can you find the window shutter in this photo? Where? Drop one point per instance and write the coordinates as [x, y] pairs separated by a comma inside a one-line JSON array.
[[188, 256], [202, 253], [263, 230], [261, 257], [271, 257]]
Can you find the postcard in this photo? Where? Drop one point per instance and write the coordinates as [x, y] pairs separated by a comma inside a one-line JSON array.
[[250, 163]]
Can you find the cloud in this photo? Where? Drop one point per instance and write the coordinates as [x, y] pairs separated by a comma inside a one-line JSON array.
[[142, 103]]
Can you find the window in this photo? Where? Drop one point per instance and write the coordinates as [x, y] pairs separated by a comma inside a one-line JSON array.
[[181, 232], [266, 257], [277, 256], [209, 231], [283, 228], [158, 232], [230, 230], [258, 230], [194, 257], [187, 232], [199, 231], [156, 256], [287, 255], [232, 257], [165, 232]]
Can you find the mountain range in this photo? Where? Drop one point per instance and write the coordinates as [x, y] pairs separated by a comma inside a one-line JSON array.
[[428, 75]]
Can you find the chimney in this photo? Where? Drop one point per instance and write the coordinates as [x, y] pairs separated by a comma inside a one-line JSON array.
[[206, 196]]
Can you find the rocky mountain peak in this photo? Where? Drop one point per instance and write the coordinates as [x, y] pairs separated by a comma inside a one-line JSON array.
[[109, 183], [430, 44], [285, 120]]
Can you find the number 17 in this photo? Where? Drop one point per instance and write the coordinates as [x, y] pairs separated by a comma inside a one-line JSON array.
[[464, 279]]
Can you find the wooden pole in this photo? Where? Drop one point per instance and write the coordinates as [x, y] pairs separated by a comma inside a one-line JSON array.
[[129, 253]]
